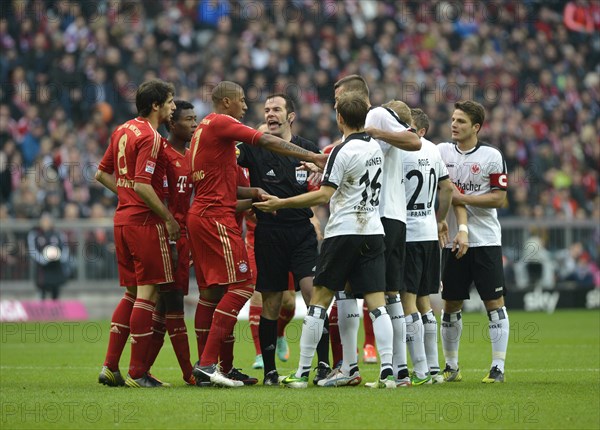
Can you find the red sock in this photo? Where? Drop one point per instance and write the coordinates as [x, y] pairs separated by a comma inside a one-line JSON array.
[[224, 320], [202, 321], [119, 331], [254, 318], [285, 316], [226, 354], [368, 323], [179, 340], [141, 336], [159, 328], [334, 335]]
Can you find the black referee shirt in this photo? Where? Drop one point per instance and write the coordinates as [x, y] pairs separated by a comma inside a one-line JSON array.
[[277, 175]]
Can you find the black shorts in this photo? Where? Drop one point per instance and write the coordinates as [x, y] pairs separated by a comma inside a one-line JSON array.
[[357, 259], [395, 253], [281, 249], [480, 265], [422, 274]]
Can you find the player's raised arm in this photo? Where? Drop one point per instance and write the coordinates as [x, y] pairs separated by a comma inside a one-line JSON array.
[[282, 147], [406, 140]]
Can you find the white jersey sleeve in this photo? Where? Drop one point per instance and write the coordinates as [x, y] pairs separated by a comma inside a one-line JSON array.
[[424, 170], [393, 198], [476, 172]]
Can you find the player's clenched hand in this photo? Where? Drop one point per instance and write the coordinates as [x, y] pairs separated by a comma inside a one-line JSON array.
[[259, 194], [443, 236], [460, 244], [269, 204], [173, 229]]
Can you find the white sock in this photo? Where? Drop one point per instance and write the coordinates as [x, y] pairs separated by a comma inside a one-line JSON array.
[[384, 334], [396, 313], [415, 345], [312, 329], [451, 331], [348, 323], [430, 341], [499, 334]]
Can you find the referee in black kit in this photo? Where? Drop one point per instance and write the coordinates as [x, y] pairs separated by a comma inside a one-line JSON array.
[[286, 241]]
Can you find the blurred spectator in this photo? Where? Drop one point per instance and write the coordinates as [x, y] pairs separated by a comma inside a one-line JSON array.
[[49, 251], [536, 267], [11, 250], [576, 265], [578, 16], [75, 67], [100, 258]]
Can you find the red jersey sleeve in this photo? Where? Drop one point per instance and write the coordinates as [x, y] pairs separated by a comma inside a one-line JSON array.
[[148, 149], [232, 129], [107, 164]]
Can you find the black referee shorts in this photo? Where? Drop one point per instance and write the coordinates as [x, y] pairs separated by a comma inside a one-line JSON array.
[[480, 265], [284, 248]]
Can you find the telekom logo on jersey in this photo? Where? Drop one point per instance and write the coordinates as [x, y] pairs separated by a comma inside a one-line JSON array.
[[182, 183]]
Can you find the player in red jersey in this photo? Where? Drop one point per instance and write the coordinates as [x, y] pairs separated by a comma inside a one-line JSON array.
[[143, 226], [168, 314], [218, 251]]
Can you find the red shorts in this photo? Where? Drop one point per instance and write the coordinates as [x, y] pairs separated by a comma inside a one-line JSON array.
[[182, 268], [291, 282], [143, 255], [252, 261], [218, 251]]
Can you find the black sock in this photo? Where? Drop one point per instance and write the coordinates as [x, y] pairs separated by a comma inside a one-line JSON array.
[[323, 345], [385, 373], [267, 334]]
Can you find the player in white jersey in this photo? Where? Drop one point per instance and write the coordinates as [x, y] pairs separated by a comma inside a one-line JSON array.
[[394, 137], [478, 170], [353, 249], [426, 230]]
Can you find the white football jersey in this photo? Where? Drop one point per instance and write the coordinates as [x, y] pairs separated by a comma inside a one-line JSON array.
[[393, 198], [423, 169], [476, 172], [354, 169]]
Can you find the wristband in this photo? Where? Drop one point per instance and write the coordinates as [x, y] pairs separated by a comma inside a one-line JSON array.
[[463, 227]]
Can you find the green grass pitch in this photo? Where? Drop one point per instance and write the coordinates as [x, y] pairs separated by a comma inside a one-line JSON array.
[[48, 379]]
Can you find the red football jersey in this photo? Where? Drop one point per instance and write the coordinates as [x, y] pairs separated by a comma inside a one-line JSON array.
[[135, 154], [243, 180], [179, 185], [214, 164]]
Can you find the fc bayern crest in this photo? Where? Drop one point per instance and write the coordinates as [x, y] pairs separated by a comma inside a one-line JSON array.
[[243, 266], [301, 176]]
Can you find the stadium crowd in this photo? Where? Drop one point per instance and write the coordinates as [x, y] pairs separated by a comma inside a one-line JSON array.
[[69, 71]]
